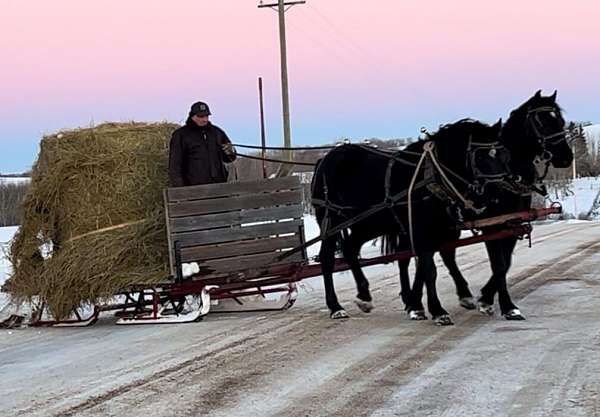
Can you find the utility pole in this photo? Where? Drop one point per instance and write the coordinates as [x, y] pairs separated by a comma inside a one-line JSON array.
[[282, 6], [574, 150], [578, 134], [263, 140]]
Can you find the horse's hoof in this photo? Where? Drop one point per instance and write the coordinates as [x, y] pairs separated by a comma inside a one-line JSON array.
[[340, 314], [486, 309], [417, 315], [443, 320], [468, 303], [514, 314], [365, 306]]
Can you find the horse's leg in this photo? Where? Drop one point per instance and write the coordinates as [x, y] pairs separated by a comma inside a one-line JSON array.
[[465, 297], [426, 264], [404, 282], [508, 309], [415, 308], [327, 259], [500, 256], [488, 291], [351, 249]]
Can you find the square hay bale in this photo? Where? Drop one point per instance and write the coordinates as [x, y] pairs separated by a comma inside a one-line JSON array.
[[96, 200]]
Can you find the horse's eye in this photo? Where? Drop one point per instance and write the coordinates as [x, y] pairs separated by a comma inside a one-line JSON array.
[[553, 114], [493, 152]]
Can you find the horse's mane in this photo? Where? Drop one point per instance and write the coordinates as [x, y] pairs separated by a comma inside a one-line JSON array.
[[460, 128], [450, 131]]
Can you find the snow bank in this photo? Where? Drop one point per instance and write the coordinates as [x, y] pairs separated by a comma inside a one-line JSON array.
[[6, 234], [312, 230], [578, 196], [13, 180], [592, 134]]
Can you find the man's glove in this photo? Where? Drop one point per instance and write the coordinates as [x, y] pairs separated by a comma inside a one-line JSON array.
[[228, 149]]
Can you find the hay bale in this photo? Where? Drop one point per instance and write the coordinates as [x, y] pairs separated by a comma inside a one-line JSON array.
[[96, 199]]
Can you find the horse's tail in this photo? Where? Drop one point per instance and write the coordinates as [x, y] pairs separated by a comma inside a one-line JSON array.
[[391, 243], [316, 183]]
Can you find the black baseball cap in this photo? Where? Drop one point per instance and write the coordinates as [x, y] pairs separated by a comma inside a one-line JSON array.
[[199, 109]]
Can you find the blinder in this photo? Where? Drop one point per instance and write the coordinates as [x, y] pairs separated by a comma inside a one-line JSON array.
[[488, 162], [533, 117]]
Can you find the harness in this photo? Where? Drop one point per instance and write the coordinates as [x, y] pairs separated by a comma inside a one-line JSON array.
[[493, 149], [439, 186], [533, 120]]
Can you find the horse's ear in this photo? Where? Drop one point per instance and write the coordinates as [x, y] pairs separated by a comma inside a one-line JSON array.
[[498, 125], [553, 96], [538, 94]]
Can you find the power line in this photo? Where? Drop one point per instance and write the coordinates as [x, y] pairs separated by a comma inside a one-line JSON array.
[[336, 30], [325, 48], [331, 46]]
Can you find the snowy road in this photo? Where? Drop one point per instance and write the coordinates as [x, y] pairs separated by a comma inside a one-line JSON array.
[[301, 363]]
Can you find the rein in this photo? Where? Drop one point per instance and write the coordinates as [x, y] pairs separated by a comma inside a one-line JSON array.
[[279, 161], [390, 201], [388, 154], [278, 148]]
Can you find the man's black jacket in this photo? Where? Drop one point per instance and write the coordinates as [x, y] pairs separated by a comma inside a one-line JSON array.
[[196, 155]]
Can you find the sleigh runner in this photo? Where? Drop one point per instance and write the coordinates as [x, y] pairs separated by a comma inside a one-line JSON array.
[[227, 252]]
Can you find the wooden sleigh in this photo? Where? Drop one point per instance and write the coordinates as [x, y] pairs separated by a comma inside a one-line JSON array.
[[225, 242]]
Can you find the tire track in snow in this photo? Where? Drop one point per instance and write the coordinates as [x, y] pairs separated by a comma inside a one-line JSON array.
[[251, 371]]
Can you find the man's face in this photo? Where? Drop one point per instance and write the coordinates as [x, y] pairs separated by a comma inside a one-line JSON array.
[[200, 120]]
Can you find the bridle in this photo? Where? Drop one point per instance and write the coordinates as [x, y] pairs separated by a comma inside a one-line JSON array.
[[533, 120]]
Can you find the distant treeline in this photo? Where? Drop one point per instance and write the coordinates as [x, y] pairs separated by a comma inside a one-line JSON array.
[[11, 198]]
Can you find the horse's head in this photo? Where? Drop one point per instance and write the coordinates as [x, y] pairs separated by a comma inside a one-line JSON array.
[[536, 130], [475, 159]]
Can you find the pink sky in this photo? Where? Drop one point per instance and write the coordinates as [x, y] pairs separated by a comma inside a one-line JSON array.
[[357, 68]]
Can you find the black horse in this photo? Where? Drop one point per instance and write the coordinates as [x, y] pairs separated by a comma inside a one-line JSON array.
[[360, 193], [534, 132]]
